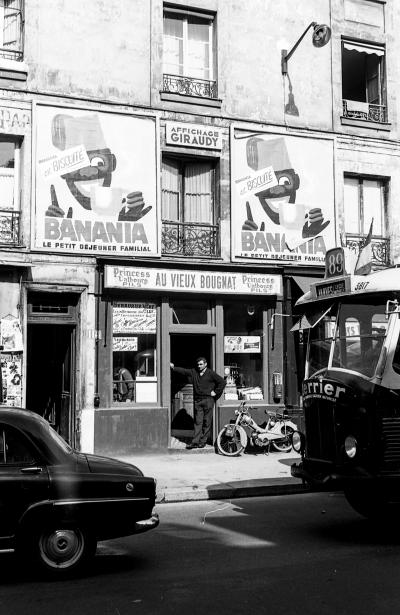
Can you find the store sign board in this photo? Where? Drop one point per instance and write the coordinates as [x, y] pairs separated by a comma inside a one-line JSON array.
[[193, 135], [14, 121], [141, 278]]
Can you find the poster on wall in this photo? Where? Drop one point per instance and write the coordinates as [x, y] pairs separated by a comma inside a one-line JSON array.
[[11, 334], [11, 365], [96, 179], [282, 198], [134, 317], [242, 343]]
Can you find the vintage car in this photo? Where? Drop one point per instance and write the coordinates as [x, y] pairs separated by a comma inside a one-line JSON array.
[[56, 503]]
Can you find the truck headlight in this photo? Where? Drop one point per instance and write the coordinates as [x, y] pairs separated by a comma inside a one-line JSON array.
[[350, 446], [298, 441]]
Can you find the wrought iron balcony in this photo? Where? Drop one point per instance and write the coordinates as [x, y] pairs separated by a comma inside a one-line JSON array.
[[189, 239], [9, 227], [189, 86], [364, 111], [380, 249]]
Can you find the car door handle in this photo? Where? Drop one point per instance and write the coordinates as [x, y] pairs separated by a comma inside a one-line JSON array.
[[31, 470]]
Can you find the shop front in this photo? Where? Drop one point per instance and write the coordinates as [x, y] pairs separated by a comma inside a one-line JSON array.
[[151, 317]]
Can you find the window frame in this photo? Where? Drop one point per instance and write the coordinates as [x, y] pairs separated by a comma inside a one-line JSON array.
[[384, 189], [381, 79], [185, 16], [15, 53], [183, 163]]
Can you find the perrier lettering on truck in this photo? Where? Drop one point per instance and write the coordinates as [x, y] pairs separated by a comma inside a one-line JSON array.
[[351, 390]]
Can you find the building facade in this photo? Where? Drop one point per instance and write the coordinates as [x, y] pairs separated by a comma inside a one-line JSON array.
[[171, 177]]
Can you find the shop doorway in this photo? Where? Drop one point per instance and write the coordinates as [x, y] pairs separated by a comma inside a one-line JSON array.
[[185, 349], [49, 378]]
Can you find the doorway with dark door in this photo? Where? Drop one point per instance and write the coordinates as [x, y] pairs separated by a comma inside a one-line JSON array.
[[185, 349], [49, 377]]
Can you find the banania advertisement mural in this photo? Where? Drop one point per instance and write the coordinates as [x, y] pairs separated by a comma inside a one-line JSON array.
[[96, 182], [282, 198]]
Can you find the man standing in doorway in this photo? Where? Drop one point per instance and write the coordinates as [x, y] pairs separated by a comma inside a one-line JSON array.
[[207, 388]]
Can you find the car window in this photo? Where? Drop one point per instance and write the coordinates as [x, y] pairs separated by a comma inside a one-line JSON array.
[[13, 447]]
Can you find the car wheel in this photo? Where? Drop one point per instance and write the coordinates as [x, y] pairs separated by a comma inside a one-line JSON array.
[[62, 549]]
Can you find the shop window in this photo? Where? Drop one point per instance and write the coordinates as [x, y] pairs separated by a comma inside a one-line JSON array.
[[363, 82], [11, 29], [364, 200], [190, 312], [188, 53], [188, 208], [134, 353], [243, 351], [9, 190]]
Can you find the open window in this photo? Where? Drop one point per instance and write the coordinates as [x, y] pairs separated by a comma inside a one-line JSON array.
[[363, 81]]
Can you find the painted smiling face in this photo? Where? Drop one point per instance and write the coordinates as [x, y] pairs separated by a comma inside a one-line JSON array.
[[273, 198], [80, 182], [262, 153], [69, 132]]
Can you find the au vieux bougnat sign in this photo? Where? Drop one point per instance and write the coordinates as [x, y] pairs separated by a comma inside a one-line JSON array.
[[193, 135], [142, 278]]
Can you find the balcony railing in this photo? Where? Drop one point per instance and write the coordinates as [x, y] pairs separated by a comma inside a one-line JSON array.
[[189, 239], [9, 227], [364, 111], [176, 84], [380, 249]]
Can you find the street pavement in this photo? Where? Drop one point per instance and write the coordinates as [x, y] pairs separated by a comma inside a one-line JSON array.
[[184, 475]]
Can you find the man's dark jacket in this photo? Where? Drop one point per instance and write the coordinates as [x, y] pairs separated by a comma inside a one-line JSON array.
[[203, 385]]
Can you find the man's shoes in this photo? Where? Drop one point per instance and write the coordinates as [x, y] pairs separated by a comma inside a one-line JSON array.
[[201, 445], [192, 445]]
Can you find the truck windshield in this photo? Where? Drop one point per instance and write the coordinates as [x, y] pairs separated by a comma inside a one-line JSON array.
[[349, 336]]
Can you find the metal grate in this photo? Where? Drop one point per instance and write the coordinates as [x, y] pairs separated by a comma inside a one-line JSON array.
[[177, 84], [190, 239], [320, 432], [391, 440]]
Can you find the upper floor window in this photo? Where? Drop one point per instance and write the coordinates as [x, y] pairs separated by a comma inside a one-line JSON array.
[[188, 207], [363, 82], [9, 189], [11, 29], [364, 201], [188, 53]]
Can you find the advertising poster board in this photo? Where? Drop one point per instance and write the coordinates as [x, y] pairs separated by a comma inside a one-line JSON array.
[[134, 318], [282, 197], [95, 182]]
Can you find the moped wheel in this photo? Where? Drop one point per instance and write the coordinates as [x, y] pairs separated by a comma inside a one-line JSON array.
[[230, 446], [284, 445]]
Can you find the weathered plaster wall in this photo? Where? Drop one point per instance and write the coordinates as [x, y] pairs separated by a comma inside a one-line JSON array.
[[98, 50]]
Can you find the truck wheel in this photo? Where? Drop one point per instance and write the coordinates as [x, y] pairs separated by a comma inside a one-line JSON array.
[[367, 502], [63, 549]]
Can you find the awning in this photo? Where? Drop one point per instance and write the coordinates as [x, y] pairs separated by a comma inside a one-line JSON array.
[[302, 282], [310, 320], [364, 48]]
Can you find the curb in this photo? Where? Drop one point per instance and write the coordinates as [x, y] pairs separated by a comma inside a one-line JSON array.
[[227, 491]]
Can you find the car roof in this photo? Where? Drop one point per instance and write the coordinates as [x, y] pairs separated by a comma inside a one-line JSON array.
[[36, 427]]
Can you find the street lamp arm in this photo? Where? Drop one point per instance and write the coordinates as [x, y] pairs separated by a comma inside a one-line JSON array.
[[286, 56], [321, 37]]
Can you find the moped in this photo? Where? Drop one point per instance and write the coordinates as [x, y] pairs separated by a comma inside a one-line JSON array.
[[234, 437]]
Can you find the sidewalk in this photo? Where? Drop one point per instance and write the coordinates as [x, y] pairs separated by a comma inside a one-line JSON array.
[[203, 475]]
